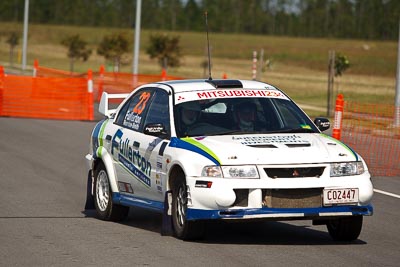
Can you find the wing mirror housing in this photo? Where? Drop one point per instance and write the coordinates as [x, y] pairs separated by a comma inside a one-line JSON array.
[[322, 123]]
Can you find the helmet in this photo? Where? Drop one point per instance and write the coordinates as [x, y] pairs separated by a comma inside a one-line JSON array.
[[190, 112]]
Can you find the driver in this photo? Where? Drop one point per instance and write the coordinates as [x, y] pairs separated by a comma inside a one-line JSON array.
[[245, 116]]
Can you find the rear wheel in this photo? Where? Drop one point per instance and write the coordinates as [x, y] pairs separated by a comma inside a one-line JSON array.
[[345, 229], [105, 208], [184, 229]]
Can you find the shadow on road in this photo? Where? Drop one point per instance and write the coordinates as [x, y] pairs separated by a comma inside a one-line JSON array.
[[244, 232], [269, 233]]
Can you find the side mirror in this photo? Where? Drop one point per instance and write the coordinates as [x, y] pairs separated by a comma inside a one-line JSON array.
[[155, 129], [323, 124]]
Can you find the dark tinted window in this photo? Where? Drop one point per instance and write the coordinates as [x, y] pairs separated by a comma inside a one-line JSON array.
[[291, 116], [240, 116], [134, 111], [159, 110]]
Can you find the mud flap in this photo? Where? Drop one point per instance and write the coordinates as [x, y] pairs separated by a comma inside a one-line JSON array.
[[166, 227], [89, 197]]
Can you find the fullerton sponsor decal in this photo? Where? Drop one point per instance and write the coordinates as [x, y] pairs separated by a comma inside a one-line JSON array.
[[199, 95], [129, 156], [132, 120]]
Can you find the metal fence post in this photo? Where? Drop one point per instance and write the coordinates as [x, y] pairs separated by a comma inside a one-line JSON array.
[[397, 97], [254, 68], [331, 75]]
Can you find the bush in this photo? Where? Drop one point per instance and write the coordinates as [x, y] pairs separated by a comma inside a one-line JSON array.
[[165, 49]]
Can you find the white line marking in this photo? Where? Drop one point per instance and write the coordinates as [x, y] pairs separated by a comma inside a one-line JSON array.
[[386, 193], [334, 213]]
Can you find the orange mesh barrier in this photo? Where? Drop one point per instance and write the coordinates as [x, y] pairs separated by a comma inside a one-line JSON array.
[[368, 128], [48, 98], [48, 72], [57, 94], [116, 82], [110, 82]]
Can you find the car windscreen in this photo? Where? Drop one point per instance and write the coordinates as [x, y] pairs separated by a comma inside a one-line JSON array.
[[240, 116]]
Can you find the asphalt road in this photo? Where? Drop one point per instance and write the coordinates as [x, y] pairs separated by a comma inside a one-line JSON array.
[[42, 221]]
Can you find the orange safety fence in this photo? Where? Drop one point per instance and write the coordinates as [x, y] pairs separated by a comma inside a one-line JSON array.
[[58, 94], [110, 82], [117, 82], [49, 72], [40, 71], [47, 98], [368, 129]]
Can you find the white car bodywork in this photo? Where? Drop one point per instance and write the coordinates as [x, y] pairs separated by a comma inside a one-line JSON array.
[[140, 166]]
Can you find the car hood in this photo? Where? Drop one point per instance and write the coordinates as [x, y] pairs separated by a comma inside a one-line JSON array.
[[298, 148]]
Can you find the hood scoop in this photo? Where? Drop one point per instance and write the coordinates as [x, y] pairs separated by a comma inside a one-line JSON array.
[[263, 146], [299, 145], [274, 146]]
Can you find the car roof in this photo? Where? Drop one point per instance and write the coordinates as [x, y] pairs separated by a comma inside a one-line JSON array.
[[180, 86]]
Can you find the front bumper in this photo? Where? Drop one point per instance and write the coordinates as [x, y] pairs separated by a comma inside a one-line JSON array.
[[223, 193], [275, 199], [281, 214]]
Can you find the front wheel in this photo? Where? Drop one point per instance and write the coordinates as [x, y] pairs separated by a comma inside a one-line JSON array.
[[105, 208], [184, 229], [345, 229]]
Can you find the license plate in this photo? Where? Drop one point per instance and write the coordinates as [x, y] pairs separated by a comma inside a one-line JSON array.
[[340, 196]]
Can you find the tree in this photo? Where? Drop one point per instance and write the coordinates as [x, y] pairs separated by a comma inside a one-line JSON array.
[[193, 19], [76, 49], [113, 47], [165, 49], [365, 19], [13, 41], [341, 64]]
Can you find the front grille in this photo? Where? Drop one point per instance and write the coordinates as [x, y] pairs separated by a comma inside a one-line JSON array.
[[292, 198], [294, 172]]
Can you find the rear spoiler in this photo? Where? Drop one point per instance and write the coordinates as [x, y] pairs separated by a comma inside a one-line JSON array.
[[103, 106]]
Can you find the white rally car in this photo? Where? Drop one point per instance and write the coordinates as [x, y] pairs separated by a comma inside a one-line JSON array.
[[203, 150]]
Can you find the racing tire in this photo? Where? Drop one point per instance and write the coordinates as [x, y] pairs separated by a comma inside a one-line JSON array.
[[105, 208], [184, 229], [345, 229]]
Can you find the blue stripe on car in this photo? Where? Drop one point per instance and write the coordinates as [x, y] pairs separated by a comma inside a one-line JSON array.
[[128, 200], [179, 143]]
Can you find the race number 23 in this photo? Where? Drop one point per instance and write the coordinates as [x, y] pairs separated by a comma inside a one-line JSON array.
[[141, 105]]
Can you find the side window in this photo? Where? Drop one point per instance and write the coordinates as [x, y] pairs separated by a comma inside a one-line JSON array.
[[159, 111], [217, 108], [132, 113]]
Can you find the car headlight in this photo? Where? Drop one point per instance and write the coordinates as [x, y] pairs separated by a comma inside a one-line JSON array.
[[245, 171], [347, 168], [211, 171]]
